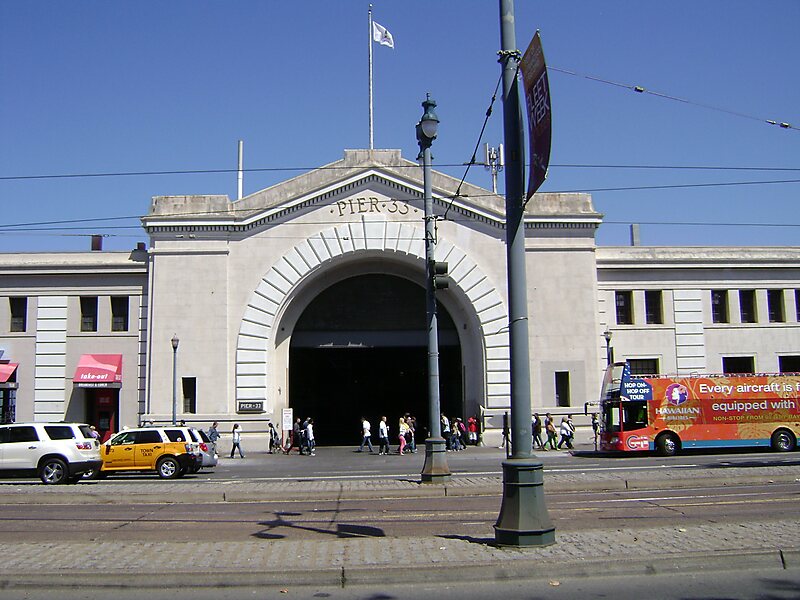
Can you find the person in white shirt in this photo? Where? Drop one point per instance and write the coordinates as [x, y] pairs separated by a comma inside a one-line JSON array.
[[237, 440], [366, 435], [383, 434]]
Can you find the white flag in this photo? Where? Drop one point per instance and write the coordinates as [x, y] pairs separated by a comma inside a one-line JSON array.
[[381, 35]]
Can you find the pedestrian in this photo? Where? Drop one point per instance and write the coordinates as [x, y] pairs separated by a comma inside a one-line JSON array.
[[595, 428], [366, 435], [274, 439], [446, 434], [455, 439], [309, 431], [410, 434], [567, 432], [237, 440], [401, 436], [536, 427], [462, 433], [472, 430], [297, 437], [383, 436], [94, 432], [550, 430], [213, 435]]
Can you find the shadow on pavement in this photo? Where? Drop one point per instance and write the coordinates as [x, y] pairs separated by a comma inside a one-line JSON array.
[[342, 531]]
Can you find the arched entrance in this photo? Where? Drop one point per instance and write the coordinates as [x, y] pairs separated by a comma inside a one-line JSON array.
[[360, 349]]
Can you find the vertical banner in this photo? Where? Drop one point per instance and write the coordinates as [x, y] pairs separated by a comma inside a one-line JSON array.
[[537, 97]]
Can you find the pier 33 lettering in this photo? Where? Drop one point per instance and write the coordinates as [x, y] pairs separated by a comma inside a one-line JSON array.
[[370, 204]]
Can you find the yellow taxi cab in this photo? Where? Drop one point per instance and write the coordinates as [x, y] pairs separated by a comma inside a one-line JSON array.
[[149, 449]]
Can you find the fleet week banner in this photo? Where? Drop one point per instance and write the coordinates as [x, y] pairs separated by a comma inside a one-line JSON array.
[[708, 407]]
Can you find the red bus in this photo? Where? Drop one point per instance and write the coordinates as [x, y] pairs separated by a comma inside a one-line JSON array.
[[670, 413]]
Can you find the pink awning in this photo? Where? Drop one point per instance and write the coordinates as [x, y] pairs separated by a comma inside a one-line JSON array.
[[6, 371], [98, 370]]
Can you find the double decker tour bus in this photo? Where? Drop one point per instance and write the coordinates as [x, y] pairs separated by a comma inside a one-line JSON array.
[[670, 413]]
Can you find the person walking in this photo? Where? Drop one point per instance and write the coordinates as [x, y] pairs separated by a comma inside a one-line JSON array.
[[411, 433], [274, 439], [472, 430], [366, 435], [237, 440], [446, 432], [213, 436], [567, 431], [310, 444], [383, 436], [595, 429], [550, 430], [402, 435], [536, 426]]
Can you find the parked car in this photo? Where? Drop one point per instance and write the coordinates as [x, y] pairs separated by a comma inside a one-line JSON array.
[[206, 448], [55, 452], [149, 449]]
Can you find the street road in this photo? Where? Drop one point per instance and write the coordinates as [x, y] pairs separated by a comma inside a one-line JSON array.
[[344, 463], [310, 519]]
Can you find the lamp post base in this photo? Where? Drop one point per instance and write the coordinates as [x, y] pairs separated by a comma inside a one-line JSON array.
[[435, 469], [523, 519]]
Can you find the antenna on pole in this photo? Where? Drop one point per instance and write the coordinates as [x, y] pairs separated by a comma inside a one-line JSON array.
[[240, 171], [494, 161]]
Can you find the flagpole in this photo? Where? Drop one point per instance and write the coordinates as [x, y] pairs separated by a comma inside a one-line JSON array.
[[369, 37]]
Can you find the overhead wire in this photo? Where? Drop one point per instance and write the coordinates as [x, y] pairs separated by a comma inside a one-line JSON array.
[[642, 90]]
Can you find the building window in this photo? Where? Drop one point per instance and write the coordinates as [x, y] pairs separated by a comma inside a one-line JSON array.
[[189, 387], [19, 313], [653, 306], [624, 304], [643, 366], [738, 364], [747, 306], [88, 313], [797, 304], [719, 306], [775, 306], [119, 313], [562, 388], [789, 364]]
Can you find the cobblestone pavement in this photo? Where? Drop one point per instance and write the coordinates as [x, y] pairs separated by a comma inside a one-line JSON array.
[[749, 545]]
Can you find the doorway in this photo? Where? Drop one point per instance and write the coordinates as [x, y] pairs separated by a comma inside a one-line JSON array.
[[360, 350]]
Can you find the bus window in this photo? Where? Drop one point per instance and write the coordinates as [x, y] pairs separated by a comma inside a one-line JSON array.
[[610, 420], [634, 415]]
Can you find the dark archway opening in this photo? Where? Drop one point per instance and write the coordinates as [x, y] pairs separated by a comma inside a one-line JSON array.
[[360, 349]]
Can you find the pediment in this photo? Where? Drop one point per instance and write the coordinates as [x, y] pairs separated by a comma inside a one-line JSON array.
[[358, 171]]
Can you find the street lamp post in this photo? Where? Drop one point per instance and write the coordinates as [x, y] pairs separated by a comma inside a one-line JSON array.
[[175, 342], [609, 350], [435, 469], [523, 519]]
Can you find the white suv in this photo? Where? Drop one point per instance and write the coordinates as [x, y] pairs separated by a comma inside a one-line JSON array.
[[55, 452]]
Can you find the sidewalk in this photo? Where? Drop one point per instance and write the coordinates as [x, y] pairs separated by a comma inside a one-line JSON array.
[[349, 560]]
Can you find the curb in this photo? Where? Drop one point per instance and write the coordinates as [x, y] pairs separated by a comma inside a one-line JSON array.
[[532, 569]]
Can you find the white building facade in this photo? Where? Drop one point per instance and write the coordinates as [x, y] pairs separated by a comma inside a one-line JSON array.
[[309, 295]]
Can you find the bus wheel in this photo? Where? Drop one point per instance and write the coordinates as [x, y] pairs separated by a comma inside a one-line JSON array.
[[783, 441], [667, 444]]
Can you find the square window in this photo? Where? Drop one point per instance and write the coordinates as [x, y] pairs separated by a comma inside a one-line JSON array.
[[747, 307], [624, 305], [189, 386], [653, 306], [775, 306], [643, 366], [719, 306], [119, 313], [738, 364], [88, 313]]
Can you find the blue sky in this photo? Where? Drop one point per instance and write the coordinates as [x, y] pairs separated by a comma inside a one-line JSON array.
[[110, 87]]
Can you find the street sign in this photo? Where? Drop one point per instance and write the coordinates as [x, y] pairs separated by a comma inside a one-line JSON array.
[[537, 97], [287, 418]]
